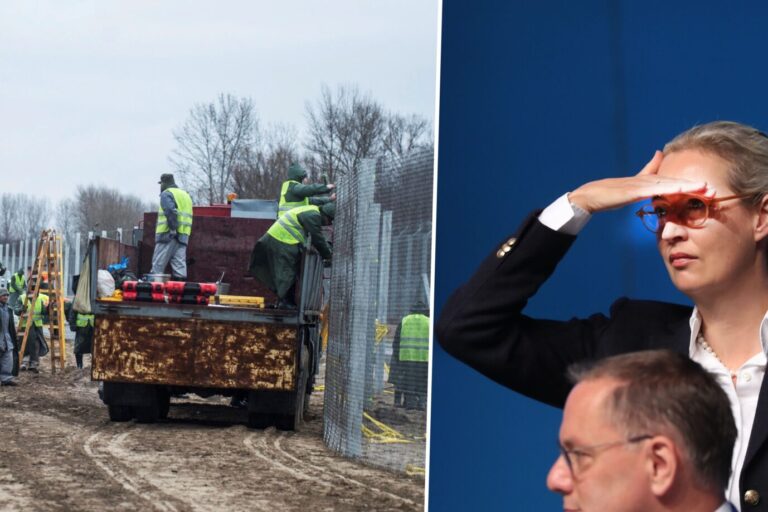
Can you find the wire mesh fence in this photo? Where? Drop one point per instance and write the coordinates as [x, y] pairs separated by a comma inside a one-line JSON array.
[[376, 368]]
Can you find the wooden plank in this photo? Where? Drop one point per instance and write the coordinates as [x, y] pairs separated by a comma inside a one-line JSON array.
[[113, 251]]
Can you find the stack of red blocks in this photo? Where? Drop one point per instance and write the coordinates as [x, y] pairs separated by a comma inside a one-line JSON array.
[[178, 292]]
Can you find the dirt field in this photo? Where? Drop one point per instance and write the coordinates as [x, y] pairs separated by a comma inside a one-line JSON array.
[[60, 452]]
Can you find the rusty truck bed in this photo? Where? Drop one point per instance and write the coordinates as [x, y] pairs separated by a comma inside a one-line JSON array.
[[222, 347]]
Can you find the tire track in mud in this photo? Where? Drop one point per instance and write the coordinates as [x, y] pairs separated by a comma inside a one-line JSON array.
[[304, 470], [47, 457], [102, 455], [173, 481]]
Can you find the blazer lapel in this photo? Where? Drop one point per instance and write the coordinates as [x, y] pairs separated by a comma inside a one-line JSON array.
[[760, 427]]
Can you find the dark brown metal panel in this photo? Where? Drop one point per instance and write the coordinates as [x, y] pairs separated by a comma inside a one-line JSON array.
[[193, 352], [112, 251], [217, 244]]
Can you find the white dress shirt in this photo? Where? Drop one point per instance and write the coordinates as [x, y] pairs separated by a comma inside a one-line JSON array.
[[565, 217]]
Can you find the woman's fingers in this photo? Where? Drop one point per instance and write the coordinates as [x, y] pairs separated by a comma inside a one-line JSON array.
[[654, 185], [613, 193], [652, 167]]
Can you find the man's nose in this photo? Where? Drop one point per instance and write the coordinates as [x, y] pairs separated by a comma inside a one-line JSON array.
[[559, 479]]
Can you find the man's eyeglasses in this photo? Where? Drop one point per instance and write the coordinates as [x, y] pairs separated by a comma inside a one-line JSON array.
[[577, 457], [689, 210]]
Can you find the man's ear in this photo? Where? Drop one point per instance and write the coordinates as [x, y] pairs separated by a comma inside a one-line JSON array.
[[761, 222], [662, 464]]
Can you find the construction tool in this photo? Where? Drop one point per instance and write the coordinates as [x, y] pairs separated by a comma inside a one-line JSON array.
[[47, 262]]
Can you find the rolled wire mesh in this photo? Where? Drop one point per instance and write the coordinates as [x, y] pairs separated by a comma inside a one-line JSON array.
[[375, 394]]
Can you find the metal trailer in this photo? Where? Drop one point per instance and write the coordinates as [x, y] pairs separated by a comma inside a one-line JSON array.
[[145, 351]]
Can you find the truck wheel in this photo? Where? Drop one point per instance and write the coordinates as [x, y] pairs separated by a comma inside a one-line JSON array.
[[147, 413], [120, 412], [259, 420], [163, 402], [286, 422], [294, 421], [305, 410]]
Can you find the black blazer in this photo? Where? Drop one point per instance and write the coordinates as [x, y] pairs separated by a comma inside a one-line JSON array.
[[482, 325]]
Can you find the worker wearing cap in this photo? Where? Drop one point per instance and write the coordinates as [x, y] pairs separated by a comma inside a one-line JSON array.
[[174, 225], [296, 192], [276, 256]]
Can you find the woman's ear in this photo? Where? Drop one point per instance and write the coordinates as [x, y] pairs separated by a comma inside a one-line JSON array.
[[761, 223]]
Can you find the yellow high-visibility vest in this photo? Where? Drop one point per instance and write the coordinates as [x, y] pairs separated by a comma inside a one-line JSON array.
[[414, 338], [284, 206], [183, 213], [288, 229]]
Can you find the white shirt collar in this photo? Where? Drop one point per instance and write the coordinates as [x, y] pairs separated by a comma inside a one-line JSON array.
[[725, 507], [695, 323]]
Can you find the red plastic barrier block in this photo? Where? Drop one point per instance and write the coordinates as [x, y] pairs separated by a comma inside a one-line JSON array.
[[208, 288], [175, 287]]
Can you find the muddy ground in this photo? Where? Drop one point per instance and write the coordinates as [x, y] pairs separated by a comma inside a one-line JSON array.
[[60, 452]]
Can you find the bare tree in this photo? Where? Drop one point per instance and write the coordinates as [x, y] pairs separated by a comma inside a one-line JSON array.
[[101, 209], [22, 216], [403, 134], [344, 128], [263, 170], [65, 222], [9, 214], [212, 143]]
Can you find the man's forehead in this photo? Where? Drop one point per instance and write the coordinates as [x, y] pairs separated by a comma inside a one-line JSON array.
[[585, 416]]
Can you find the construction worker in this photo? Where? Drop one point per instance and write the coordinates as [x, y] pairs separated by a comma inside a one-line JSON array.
[[174, 225], [295, 192], [276, 256], [82, 325], [409, 365], [36, 344], [17, 287], [4, 277], [8, 345]]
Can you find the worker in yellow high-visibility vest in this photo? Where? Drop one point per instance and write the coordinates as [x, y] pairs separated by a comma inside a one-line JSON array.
[[17, 286], [295, 191], [409, 364], [82, 325], [276, 256], [36, 347], [174, 226]]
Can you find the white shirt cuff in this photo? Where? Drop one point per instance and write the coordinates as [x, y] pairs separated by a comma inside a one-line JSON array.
[[564, 216]]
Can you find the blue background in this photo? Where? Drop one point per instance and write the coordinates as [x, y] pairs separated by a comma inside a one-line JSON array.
[[538, 97]]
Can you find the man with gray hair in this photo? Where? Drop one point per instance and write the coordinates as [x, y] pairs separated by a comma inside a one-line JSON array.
[[647, 431], [8, 342]]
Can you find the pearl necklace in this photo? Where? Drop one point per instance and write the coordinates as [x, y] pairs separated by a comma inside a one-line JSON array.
[[706, 346]]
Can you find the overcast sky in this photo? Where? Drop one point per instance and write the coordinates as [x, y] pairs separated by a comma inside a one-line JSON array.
[[91, 91]]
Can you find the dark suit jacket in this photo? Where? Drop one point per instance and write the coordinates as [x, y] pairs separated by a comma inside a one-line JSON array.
[[482, 325]]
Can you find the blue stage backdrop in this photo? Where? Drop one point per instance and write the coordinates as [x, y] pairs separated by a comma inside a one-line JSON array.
[[538, 97]]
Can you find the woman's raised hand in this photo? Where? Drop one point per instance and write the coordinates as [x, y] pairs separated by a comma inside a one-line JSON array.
[[611, 193]]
